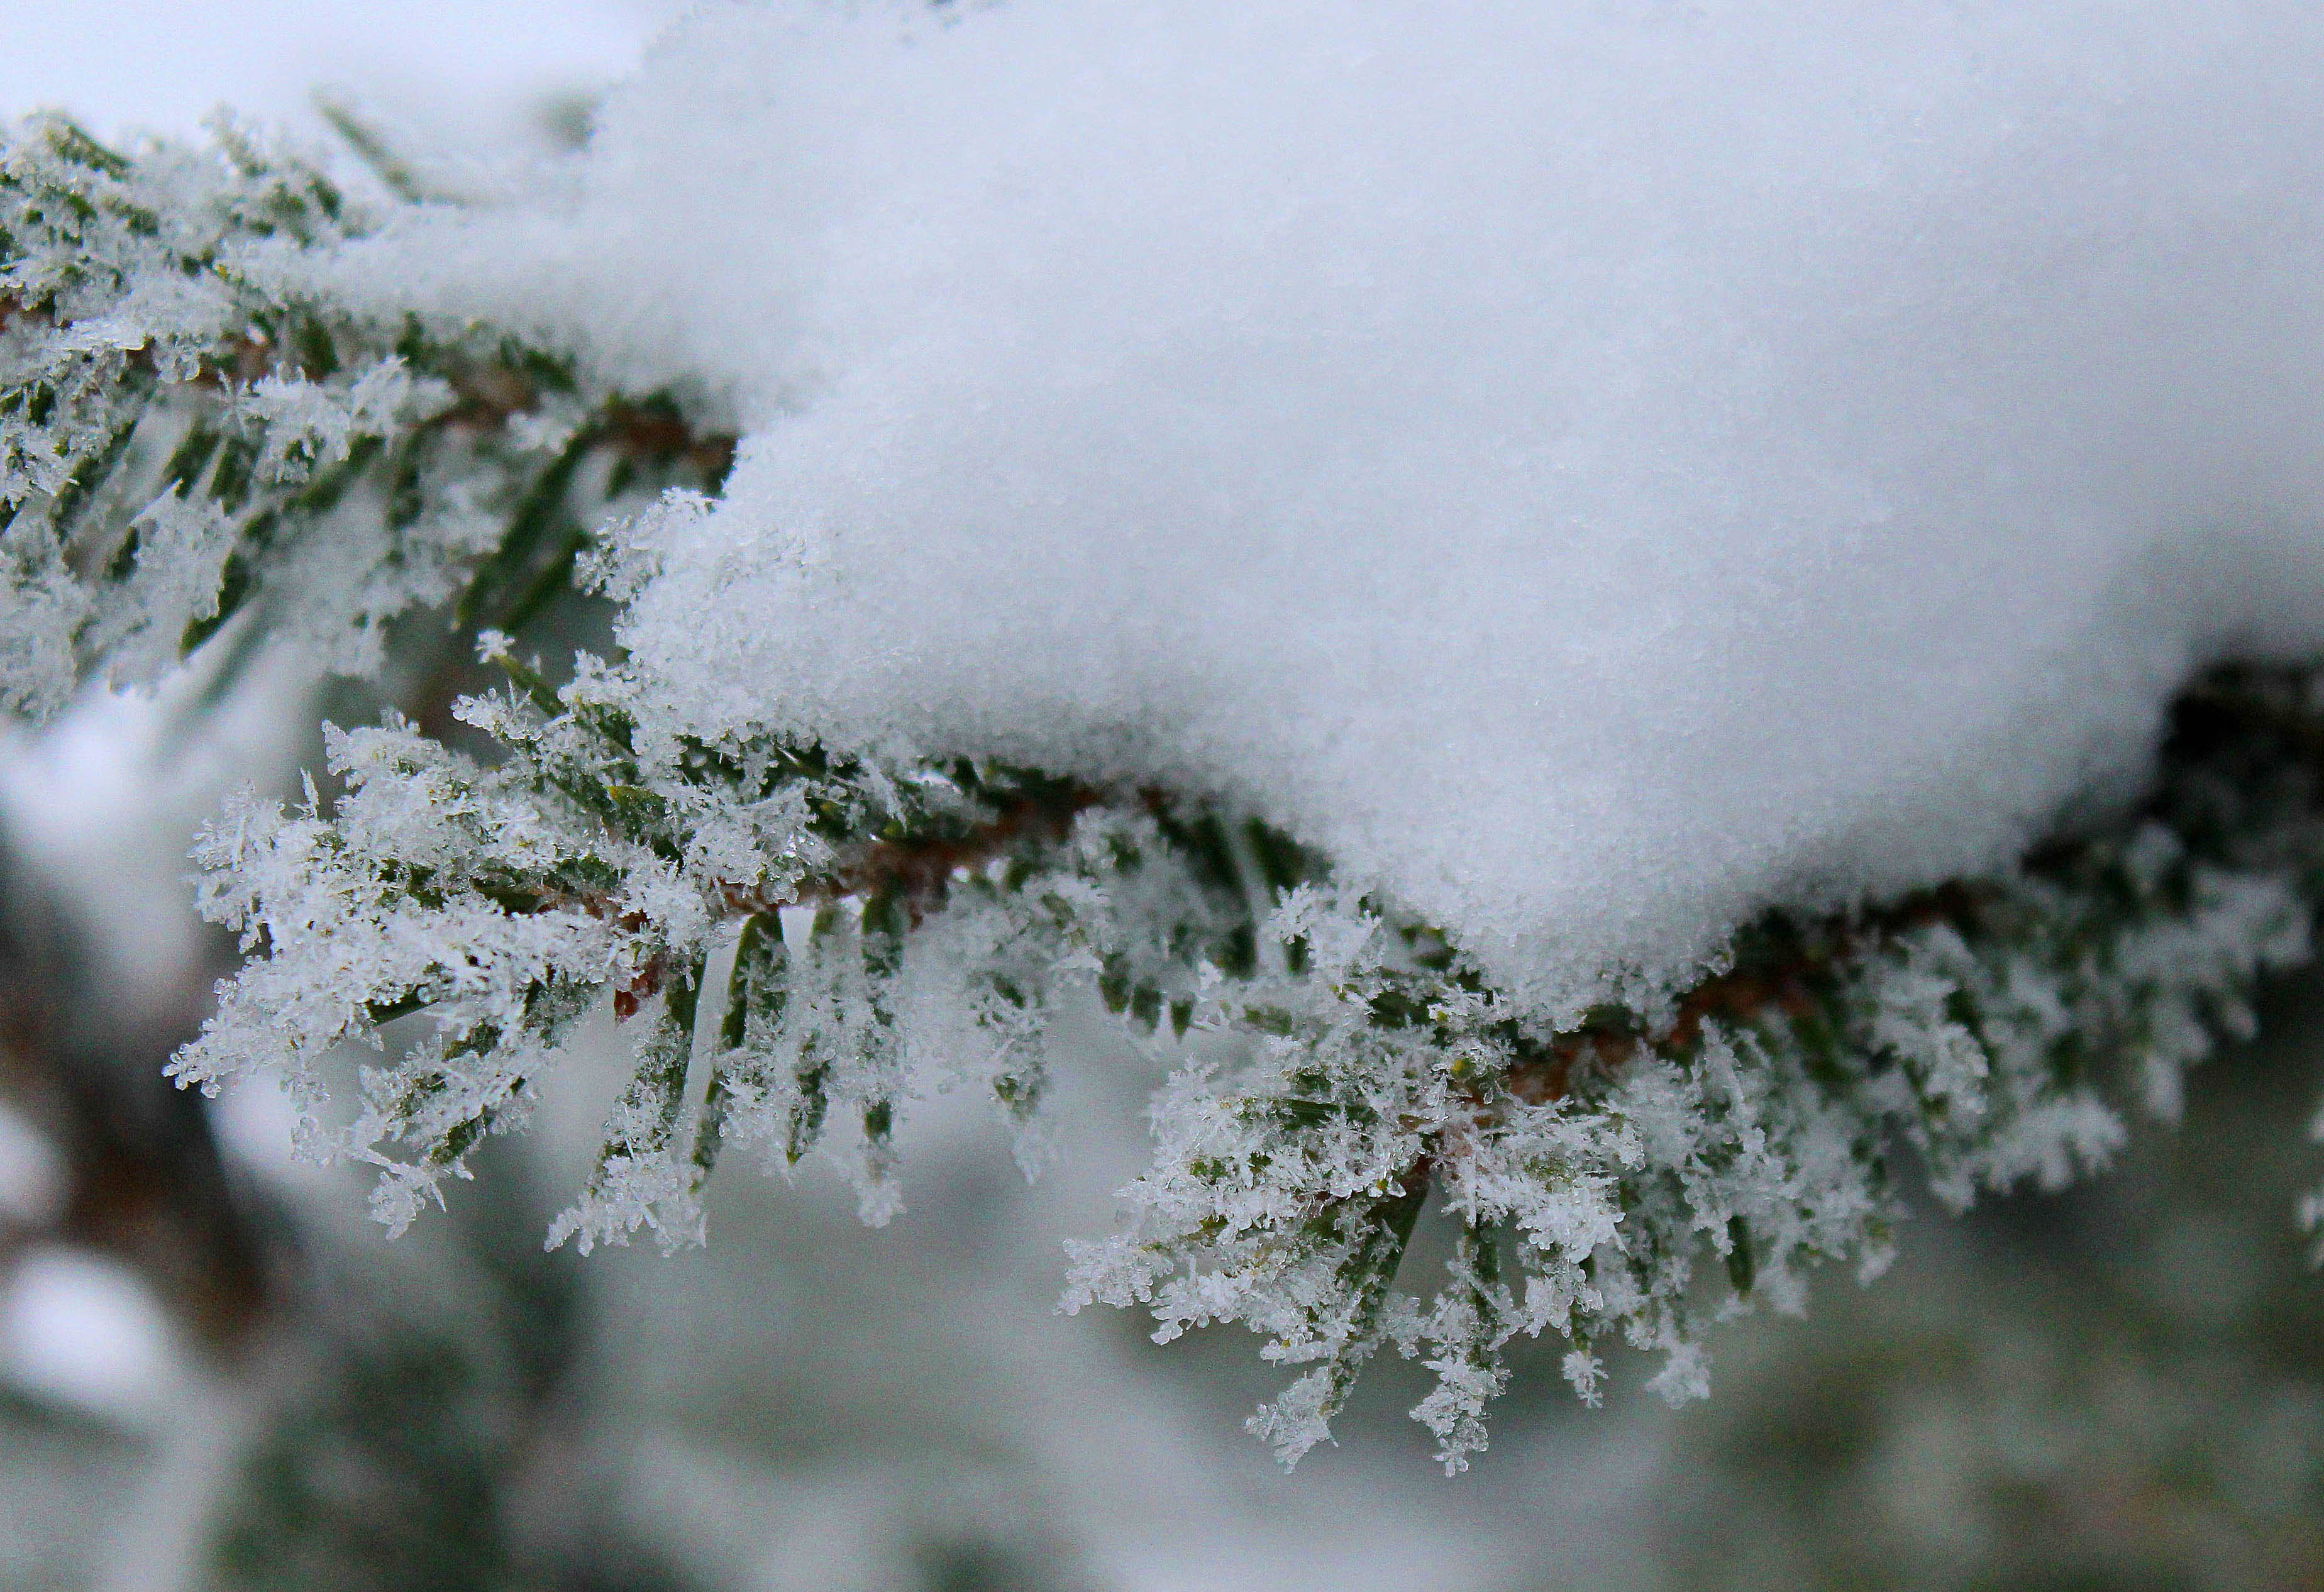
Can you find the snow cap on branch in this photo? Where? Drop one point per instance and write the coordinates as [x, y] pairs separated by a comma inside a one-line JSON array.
[[1593, 470]]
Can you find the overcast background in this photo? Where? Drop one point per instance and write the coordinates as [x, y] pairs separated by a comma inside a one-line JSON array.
[[164, 64]]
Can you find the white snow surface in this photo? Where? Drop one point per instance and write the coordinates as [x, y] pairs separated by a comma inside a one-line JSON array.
[[1596, 469]]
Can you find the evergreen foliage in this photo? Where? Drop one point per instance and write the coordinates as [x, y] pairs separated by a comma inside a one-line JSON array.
[[185, 440], [803, 937]]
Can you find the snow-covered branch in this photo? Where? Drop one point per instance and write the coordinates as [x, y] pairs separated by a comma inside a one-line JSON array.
[[1593, 670]]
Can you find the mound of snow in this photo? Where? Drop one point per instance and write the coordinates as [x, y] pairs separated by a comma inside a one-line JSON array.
[[1596, 469]]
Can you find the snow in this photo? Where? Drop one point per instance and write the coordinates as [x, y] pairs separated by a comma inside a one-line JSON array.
[[87, 1332], [101, 804], [32, 1173], [1595, 470]]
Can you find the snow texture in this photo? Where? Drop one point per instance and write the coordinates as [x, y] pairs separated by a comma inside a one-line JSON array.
[[1595, 470]]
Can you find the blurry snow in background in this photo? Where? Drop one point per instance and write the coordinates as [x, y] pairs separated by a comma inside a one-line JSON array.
[[88, 1333], [472, 67]]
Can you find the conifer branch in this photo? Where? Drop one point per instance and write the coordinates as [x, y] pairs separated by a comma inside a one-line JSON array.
[[184, 450]]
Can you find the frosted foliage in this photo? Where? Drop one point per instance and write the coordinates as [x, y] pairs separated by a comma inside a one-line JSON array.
[[1593, 470], [886, 926], [1510, 587], [343, 946], [89, 284], [153, 422], [1758, 1146], [196, 432]]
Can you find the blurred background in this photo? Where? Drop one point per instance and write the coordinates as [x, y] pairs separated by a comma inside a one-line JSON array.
[[472, 70], [217, 1371]]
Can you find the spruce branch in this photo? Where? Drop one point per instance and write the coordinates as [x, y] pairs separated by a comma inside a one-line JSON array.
[[189, 456], [184, 444], [1347, 1063]]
